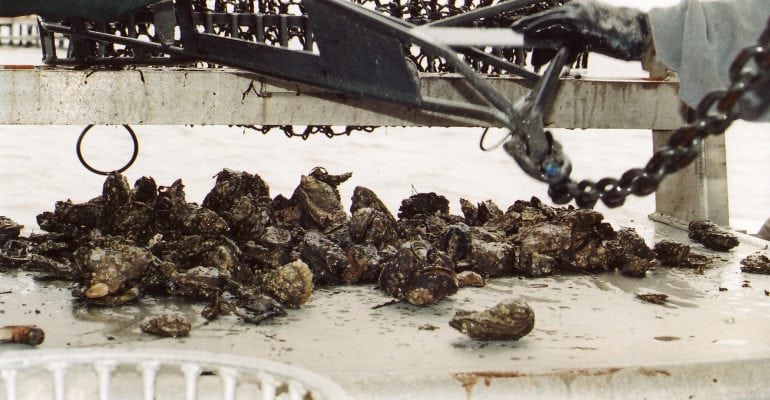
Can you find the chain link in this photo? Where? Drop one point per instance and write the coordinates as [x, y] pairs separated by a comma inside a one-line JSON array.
[[326, 130], [747, 98]]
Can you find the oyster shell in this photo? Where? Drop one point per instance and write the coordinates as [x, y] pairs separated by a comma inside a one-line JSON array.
[[364, 264], [291, 284], [711, 235], [365, 198], [630, 253], [419, 274], [423, 204], [110, 266], [8, 230], [324, 257], [167, 325], [756, 263], [320, 205], [372, 226], [230, 187], [470, 279], [672, 253], [508, 320]]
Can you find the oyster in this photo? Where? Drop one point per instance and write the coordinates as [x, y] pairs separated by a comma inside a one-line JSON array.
[[258, 310], [272, 249], [167, 325], [539, 246], [419, 274], [372, 226], [320, 204], [712, 236], [291, 284], [116, 193], [110, 266], [672, 253], [630, 253], [423, 204], [508, 320], [364, 264], [145, 190], [756, 263], [8, 230], [654, 298], [230, 187], [334, 181], [492, 258], [470, 279], [324, 257], [365, 198]]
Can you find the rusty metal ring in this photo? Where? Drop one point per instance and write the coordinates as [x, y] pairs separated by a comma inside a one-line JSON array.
[[130, 162]]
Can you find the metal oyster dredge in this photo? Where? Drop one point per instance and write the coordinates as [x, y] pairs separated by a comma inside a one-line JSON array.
[[376, 49]]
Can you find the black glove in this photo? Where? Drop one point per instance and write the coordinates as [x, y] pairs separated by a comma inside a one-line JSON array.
[[618, 32]]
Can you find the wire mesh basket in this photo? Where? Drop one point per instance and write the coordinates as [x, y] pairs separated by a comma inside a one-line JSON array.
[[157, 374]]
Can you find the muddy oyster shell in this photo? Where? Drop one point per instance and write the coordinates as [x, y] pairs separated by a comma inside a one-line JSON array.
[[630, 253], [205, 222], [111, 266], [365, 264], [272, 249], [712, 236], [371, 226], [672, 253], [167, 325], [508, 320], [72, 219], [492, 258], [419, 274], [8, 230], [423, 204], [334, 181], [470, 279], [171, 208], [115, 194], [324, 257], [756, 263], [230, 186], [365, 198], [539, 247], [291, 284], [320, 204], [145, 190]]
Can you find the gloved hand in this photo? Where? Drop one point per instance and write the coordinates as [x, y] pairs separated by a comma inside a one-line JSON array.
[[618, 32]]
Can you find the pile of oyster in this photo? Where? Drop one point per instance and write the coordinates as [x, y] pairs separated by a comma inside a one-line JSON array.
[[246, 253]]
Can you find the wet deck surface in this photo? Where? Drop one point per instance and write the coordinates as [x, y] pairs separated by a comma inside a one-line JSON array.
[[592, 335]]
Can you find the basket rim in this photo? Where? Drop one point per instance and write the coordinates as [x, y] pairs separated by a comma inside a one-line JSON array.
[[51, 358]]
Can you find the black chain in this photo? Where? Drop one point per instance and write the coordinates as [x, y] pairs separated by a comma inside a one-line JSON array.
[[748, 97], [326, 130]]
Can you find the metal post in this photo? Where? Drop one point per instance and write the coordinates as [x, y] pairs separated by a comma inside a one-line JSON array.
[[698, 191]]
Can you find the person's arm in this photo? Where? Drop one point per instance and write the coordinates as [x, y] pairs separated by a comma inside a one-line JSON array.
[[700, 39], [697, 39]]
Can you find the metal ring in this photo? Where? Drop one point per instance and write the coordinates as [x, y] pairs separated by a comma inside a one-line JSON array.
[[96, 171], [496, 145]]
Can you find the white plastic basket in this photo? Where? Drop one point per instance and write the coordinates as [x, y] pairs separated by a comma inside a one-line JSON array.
[[155, 374]]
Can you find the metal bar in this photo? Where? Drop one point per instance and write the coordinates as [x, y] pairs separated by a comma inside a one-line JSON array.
[[230, 97], [484, 12], [472, 37], [530, 77]]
